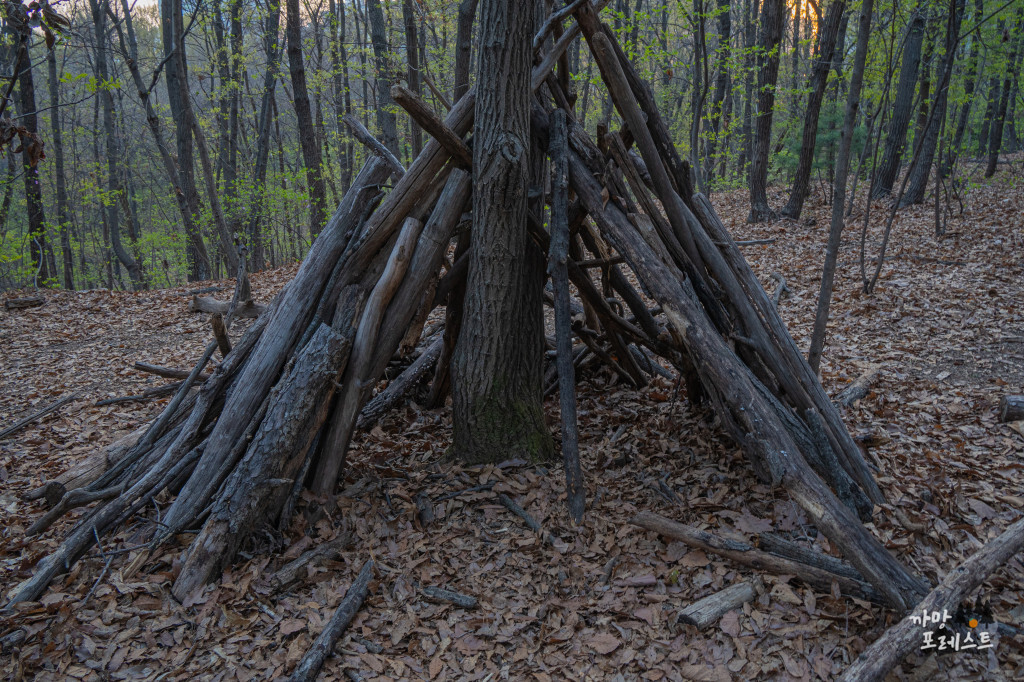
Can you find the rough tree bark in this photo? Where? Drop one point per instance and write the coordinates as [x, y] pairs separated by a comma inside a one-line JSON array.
[[819, 77], [307, 133], [772, 23], [903, 102], [497, 369], [382, 78]]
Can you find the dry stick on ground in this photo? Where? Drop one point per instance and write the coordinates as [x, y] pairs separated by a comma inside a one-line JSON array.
[[711, 608], [148, 394], [22, 423], [167, 372], [328, 551], [897, 642], [531, 522], [374, 145], [311, 663], [859, 388], [439, 594], [557, 257], [746, 554]]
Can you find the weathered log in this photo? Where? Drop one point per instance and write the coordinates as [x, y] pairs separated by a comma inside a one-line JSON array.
[[429, 121], [293, 311], [259, 484], [440, 594], [328, 551], [212, 305], [38, 414], [774, 544], [901, 639], [709, 610], [415, 259], [360, 132], [384, 401], [558, 254], [167, 372], [859, 388], [311, 663], [1011, 408], [756, 426], [747, 555], [24, 302]]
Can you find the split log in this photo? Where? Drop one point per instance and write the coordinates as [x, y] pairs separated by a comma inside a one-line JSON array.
[[293, 310], [893, 646], [260, 483], [747, 555], [383, 402], [212, 305], [461, 600], [38, 414], [710, 609], [360, 132], [429, 121], [328, 551], [558, 255], [167, 372], [859, 388], [309, 666], [24, 302], [1011, 408]]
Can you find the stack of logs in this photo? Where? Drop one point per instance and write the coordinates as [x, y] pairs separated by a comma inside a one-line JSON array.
[[278, 413]]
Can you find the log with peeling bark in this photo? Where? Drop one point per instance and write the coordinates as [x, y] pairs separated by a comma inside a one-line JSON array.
[[748, 555], [900, 640], [24, 302], [859, 388], [1011, 408], [211, 305], [309, 667], [707, 611]]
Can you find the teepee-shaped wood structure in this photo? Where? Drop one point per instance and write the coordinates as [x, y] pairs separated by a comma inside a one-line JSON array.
[[278, 413]]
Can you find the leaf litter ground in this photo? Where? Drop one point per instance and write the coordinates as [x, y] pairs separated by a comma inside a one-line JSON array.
[[598, 601]]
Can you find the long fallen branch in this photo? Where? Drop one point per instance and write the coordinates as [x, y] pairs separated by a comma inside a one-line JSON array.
[[311, 663], [748, 555], [22, 423], [892, 647]]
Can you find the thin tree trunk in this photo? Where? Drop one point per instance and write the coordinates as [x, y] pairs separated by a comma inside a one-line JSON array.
[[721, 83], [57, 144], [827, 38], [995, 142], [920, 171], [903, 102], [382, 78], [497, 370], [307, 133], [970, 82], [839, 188], [413, 77], [990, 113], [463, 48], [772, 22]]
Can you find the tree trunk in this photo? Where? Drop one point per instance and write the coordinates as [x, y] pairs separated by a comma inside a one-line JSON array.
[[413, 77], [382, 78], [903, 102], [342, 94], [273, 52], [497, 369], [990, 113], [721, 86], [921, 170], [839, 187], [970, 83], [819, 77], [463, 48], [172, 30], [57, 144], [995, 142], [307, 133], [772, 22]]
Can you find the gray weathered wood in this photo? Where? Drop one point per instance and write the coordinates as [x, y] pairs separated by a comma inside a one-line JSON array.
[[710, 609]]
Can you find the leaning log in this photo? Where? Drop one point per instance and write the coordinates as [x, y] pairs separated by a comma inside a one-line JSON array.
[[893, 646]]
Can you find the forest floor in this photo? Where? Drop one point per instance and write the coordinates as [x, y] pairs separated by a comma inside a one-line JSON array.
[[946, 326]]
